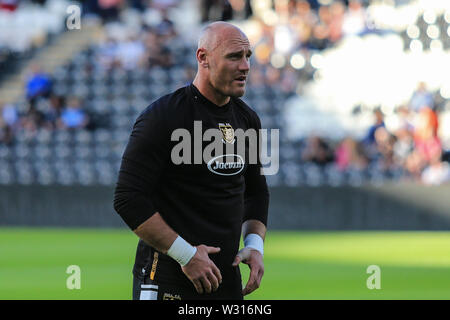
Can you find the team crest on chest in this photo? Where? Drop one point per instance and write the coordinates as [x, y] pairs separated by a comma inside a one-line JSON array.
[[227, 132]]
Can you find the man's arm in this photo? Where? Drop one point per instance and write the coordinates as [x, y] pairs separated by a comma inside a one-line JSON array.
[[252, 253], [255, 220], [143, 165], [156, 233], [254, 226], [202, 272]]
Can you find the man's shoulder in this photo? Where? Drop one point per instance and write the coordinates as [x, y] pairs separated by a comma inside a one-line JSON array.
[[169, 104]]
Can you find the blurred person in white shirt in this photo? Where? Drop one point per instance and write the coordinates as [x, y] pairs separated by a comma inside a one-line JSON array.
[[438, 172], [354, 18]]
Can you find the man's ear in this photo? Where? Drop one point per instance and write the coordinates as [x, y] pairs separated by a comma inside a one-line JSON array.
[[202, 57]]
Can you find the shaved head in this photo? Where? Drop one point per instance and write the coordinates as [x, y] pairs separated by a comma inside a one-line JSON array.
[[223, 60], [213, 34]]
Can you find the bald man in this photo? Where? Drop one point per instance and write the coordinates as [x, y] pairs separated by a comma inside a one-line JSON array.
[[190, 214]]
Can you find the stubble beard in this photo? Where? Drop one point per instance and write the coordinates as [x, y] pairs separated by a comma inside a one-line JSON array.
[[233, 91]]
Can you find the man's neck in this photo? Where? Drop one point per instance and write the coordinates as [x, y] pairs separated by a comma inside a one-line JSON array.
[[209, 93]]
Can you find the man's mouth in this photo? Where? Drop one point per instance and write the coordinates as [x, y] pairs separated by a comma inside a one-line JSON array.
[[241, 79]]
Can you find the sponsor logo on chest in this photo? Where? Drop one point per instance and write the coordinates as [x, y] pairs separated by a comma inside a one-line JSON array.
[[226, 165]]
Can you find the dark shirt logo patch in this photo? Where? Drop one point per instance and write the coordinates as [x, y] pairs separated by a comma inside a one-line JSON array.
[[227, 132]]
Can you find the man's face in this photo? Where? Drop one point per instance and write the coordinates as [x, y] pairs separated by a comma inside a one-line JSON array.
[[229, 65]]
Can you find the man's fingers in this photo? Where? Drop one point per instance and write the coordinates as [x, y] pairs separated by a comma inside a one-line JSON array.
[[212, 249], [252, 284], [198, 286], [242, 256], [260, 273], [202, 271], [250, 287], [236, 261], [213, 280], [217, 273], [206, 284]]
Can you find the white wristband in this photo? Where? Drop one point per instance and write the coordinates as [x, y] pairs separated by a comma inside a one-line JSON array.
[[181, 251], [254, 241]]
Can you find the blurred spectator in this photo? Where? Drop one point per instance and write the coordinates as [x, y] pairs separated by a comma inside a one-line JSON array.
[[317, 151], [130, 53], [6, 134], [354, 19], [156, 52], [73, 116], [369, 139], [162, 57], [108, 10], [403, 146], [414, 165], [213, 10], [421, 98], [425, 135], [406, 118], [437, 172], [349, 154], [319, 39], [38, 83], [337, 11], [107, 53], [324, 21], [54, 111], [384, 154], [9, 5], [303, 11], [427, 124], [164, 4], [166, 28], [241, 9], [33, 119], [8, 121], [428, 148], [9, 115], [302, 19]]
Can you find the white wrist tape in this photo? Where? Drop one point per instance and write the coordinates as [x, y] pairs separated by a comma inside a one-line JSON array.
[[254, 241], [181, 251]]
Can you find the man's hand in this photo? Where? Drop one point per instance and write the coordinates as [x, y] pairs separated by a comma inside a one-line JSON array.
[[202, 272], [254, 260]]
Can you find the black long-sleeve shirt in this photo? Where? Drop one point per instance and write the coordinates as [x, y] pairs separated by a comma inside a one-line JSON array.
[[203, 206]]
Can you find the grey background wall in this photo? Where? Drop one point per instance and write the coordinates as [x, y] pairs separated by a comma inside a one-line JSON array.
[[390, 207]]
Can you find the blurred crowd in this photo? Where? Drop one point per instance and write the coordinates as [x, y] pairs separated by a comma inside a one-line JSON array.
[[303, 26], [414, 148], [45, 110], [49, 110]]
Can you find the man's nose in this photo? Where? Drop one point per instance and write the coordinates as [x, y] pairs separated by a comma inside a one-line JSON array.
[[244, 65]]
